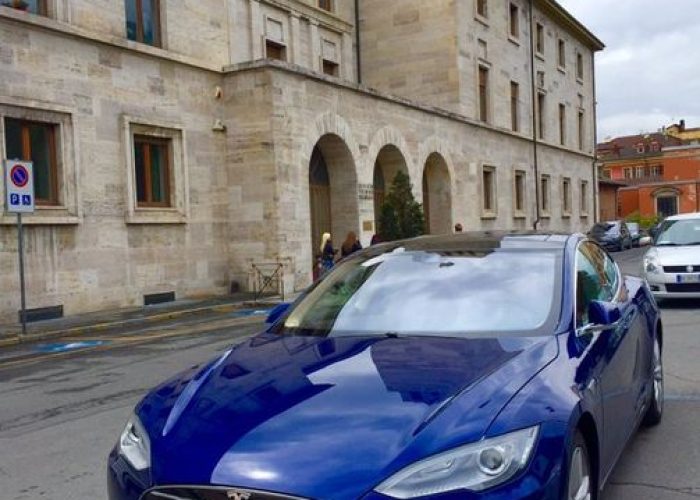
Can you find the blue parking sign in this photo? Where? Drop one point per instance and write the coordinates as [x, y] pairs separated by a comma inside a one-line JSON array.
[[14, 199], [26, 200]]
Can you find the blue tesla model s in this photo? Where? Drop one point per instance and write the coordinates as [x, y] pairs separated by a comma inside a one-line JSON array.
[[474, 366]]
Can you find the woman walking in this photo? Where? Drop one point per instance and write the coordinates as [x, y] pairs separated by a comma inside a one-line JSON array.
[[350, 245], [327, 252]]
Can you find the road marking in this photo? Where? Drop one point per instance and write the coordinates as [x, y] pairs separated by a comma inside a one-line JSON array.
[[117, 342]]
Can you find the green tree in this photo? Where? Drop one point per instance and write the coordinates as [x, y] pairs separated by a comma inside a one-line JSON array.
[[401, 215]]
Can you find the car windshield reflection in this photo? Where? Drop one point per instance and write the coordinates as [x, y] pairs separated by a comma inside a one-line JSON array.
[[463, 294]]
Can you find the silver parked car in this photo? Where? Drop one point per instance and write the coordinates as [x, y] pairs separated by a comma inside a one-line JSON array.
[[672, 265]]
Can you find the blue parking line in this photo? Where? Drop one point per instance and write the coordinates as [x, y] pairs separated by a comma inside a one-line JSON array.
[[245, 313], [69, 346]]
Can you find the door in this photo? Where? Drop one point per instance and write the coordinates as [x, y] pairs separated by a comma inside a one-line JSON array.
[[319, 201], [598, 278]]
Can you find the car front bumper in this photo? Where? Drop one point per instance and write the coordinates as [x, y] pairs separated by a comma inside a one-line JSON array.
[[542, 479], [666, 286]]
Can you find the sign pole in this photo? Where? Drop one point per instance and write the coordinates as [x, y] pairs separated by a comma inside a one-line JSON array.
[[20, 231], [19, 185]]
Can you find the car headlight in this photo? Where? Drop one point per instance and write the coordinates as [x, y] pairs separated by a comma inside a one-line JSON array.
[[651, 263], [134, 444], [475, 467]]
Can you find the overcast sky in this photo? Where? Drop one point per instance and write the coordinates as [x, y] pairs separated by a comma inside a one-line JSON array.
[[649, 74]]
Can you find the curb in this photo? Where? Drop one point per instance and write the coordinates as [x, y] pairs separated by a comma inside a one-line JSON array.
[[16, 339]]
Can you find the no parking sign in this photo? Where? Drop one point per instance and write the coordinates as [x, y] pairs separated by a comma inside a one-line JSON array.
[[19, 184]]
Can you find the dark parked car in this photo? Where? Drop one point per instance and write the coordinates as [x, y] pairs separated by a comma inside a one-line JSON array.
[[612, 235], [472, 366]]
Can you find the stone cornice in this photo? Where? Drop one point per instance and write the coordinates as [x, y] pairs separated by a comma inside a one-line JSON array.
[[562, 17]]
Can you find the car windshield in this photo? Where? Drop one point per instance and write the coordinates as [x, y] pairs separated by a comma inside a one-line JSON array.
[[605, 228], [431, 293], [633, 227], [679, 233]]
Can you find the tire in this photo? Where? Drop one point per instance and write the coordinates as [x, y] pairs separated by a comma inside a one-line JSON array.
[[580, 484], [656, 406]]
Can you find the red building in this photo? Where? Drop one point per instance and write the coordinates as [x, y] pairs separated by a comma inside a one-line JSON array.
[[660, 174]]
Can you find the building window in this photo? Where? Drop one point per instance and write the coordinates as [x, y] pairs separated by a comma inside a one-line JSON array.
[[35, 142], [152, 163], [34, 6], [274, 50], [561, 60], [566, 196], [627, 171], [657, 171], [488, 190], [143, 21], [329, 58], [519, 191], [545, 194], [514, 107], [539, 39], [562, 124], [579, 66], [639, 172], [483, 94], [667, 205], [584, 198], [482, 8], [540, 114], [640, 148], [581, 129], [606, 173], [514, 21], [330, 68], [326, 5], [655, 147]]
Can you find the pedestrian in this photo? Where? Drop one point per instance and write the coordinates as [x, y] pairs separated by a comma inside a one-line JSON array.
[[350, 245], [327, 252], [458, 227], [376, 239]]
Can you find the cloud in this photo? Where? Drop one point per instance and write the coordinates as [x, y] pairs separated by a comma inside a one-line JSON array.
[[649, 74]]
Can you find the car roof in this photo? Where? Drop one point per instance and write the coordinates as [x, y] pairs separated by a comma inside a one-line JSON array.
[[694, 215], [481, 241]]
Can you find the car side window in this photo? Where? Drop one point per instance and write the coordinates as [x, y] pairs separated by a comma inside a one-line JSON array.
[[592, 281], [611, 274]]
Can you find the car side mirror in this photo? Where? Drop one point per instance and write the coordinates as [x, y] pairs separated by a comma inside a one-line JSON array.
[[277, 312], [603, 314], [645, 241]]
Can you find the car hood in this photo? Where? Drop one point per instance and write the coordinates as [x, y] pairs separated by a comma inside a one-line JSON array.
[[678, 256], [331, 417]]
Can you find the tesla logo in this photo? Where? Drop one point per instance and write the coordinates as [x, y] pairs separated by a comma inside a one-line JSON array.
[[237, 495]]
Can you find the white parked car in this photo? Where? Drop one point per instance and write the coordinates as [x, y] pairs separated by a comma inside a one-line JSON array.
[[672, 264]]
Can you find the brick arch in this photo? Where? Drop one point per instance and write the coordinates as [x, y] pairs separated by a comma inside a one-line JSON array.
[[436, 145], [386, 136], [330, 124]]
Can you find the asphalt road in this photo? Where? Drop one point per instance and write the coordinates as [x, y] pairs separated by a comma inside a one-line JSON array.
[[663, 463], [60, 415]]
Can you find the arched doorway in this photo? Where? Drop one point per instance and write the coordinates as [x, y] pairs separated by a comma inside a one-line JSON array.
[[389, 162], [437, 195], [333, 196]]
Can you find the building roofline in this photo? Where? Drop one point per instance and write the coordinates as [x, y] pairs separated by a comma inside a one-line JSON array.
[[561, 15]]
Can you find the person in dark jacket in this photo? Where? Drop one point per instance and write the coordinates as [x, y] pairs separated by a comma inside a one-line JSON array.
[[327, 252], [350, 245]]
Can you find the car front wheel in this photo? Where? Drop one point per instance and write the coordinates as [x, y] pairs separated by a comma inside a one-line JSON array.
[[580, 484], [656, 407]]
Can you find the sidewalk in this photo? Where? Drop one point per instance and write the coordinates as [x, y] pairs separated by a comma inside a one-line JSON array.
[[105, 321]]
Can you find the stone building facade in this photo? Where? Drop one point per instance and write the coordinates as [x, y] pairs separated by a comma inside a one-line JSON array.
[[178, 143]]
